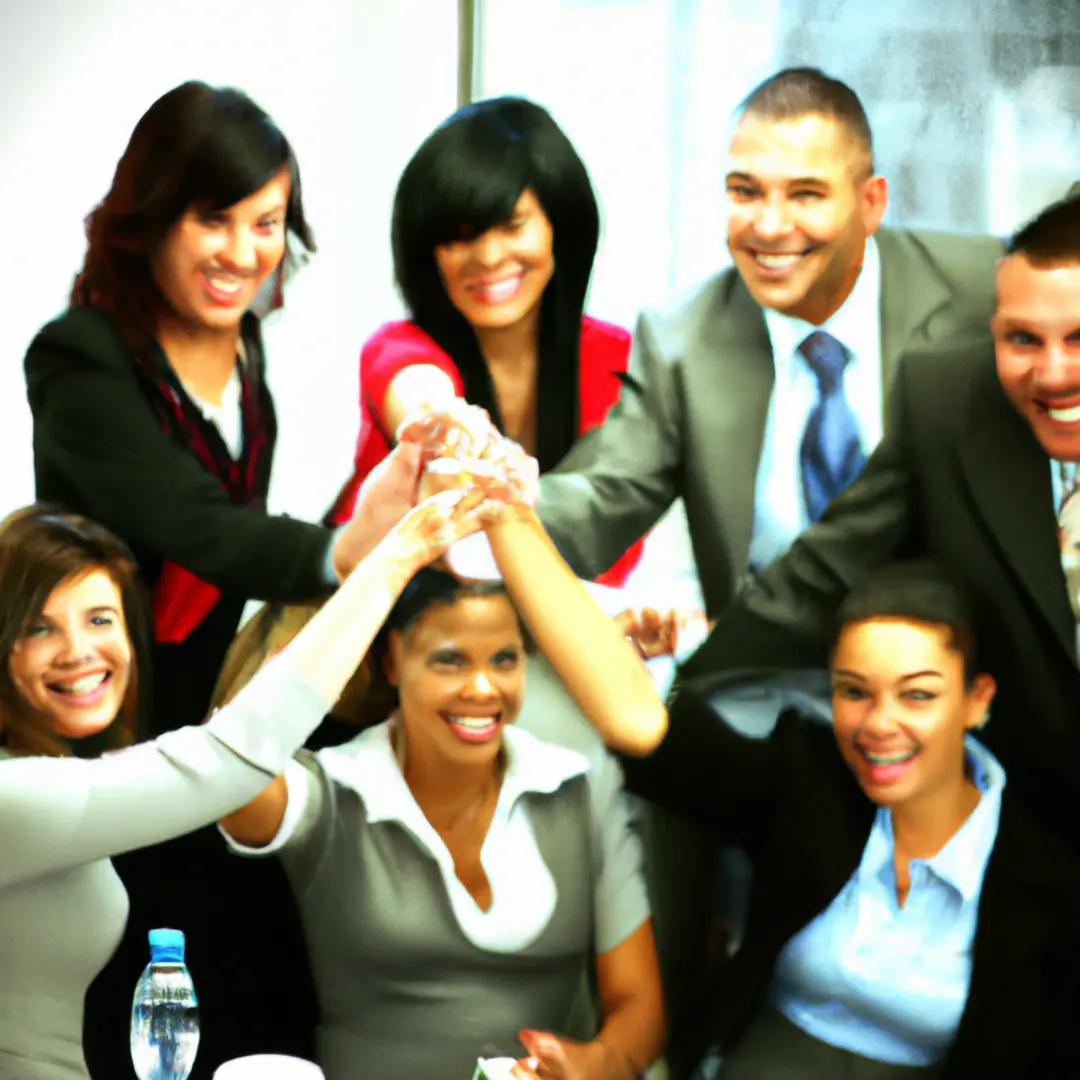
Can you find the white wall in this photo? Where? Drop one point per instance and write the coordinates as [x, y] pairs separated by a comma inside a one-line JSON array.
[[355, 85]]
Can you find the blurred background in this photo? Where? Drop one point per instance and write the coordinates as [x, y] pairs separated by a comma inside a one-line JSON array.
[[975, 108]]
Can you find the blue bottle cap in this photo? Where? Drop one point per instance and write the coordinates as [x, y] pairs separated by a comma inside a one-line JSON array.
[[166, 946]]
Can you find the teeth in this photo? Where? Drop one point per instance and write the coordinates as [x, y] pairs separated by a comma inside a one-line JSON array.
[[1065, 416], [474, 723], [777, 262], [224, 284], [888, 759], [500, 291], [82, 686]]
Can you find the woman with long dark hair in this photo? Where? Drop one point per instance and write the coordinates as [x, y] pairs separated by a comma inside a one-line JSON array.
[[153, 415], [495, 230]]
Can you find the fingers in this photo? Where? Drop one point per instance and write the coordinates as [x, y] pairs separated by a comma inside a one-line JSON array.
[[525, 1069]]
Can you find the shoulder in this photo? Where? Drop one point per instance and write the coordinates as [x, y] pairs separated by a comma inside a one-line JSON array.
[[965, 261], [401, 342], [83, 331], [539, 767], [1026, 850]]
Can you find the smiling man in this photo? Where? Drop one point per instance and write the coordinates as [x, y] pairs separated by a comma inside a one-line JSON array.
[[978, 469], [758, 397]]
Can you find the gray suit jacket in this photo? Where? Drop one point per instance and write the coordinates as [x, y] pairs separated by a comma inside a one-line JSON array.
[[691, 420]]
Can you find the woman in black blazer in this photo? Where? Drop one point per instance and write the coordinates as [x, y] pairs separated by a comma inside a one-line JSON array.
[[152, 415], [907, 916]]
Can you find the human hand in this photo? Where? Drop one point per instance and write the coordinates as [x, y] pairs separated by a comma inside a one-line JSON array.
[[385, 497], [552, 1058], [676, 632], [501, 502], [452, 429]]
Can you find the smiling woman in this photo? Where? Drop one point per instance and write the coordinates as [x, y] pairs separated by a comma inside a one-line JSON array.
[[153, 415]]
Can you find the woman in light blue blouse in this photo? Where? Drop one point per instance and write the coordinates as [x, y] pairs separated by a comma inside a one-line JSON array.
[[908, 918]]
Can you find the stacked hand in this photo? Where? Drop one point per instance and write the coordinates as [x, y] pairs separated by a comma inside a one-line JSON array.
[[675, 633], [552, 1058]]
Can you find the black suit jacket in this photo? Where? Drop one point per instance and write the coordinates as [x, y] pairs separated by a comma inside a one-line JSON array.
[[792, 802], [100, 451], [959, 477]]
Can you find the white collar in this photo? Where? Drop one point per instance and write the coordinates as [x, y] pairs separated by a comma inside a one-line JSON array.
[[851, 324], [367, 765]]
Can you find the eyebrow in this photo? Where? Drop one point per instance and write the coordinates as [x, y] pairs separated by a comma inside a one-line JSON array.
[[103, 608], [280, 209], [856, 677]]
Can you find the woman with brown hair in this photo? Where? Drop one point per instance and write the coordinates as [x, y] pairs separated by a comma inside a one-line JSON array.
[[71, 653], [153, 415]]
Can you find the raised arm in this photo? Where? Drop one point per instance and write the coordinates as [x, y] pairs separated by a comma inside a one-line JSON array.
[[61, 812], [619, 478]]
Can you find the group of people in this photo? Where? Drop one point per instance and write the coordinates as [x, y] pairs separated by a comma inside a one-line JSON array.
[[443, 885]]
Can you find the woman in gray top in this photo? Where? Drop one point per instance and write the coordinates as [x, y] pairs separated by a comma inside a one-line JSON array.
[[457, 876], [67, 672]]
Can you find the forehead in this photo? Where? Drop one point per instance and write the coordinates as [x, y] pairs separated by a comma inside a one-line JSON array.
[[779, 151], [90, 589], [469, 621], [274, 195], [897, 647], [1045, 293]]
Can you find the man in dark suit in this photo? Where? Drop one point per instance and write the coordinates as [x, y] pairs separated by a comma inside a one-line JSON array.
[[979, 457]]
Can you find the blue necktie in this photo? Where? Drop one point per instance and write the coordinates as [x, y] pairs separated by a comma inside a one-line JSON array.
[[831, 455]]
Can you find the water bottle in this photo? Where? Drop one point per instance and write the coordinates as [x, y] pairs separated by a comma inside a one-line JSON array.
[[165, 1012]]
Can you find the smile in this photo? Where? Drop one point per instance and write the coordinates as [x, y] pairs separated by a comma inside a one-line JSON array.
[[223, 288], [497, 292], [474, 729], [84, 691], [777, 264], [1061, 414]]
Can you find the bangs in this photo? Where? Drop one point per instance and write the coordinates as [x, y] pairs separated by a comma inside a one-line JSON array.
[[475, 177], [234, 160]]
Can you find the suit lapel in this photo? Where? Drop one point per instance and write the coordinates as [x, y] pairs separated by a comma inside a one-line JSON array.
[[912, 294], [1030, 884], [735, 390], [1009, 477]]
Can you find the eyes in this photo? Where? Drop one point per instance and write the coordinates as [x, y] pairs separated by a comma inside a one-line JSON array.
[[43, 627], [221, 221], [913, 696], [452, 660], [745, 192]]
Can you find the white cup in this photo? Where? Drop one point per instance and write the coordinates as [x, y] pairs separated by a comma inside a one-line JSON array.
[[269, 1067]]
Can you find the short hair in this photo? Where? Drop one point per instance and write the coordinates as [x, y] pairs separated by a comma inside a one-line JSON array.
[[40, 548], [197, 145], [465, 178], [1052, 235], [922, 591], [806, 91]]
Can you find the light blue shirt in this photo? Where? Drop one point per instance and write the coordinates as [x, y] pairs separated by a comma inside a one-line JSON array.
[[888, 982], [779, 504]]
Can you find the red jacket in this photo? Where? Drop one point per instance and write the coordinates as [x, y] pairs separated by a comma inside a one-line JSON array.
[[605, 352]]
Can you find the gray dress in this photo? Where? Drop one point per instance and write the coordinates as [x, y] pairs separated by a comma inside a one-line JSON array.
[[62, 906], [411, 982]]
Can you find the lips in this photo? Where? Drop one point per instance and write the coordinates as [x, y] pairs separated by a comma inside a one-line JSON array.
[[1060, 412], [883, 769], [474, 728], [84, 691], [224, 289], [777, 264], [496, 292]]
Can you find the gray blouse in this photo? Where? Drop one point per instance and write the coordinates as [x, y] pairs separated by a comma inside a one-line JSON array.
[[413, 978], [62, 906]]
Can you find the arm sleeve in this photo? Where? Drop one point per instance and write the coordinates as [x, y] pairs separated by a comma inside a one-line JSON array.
[[56, 813], [783, 617], [118, 466], [620, 477], [621, 903], [725, 782], [389, 352]]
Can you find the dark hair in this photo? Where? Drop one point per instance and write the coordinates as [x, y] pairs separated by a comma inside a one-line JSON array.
[[41, 547], [922, 591], [804, 91], [1052, 236], [466, 178], [197, 145], [427, 589]]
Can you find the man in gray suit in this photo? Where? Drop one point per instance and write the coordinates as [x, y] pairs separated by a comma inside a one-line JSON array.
[[719, 393], [758, 397]]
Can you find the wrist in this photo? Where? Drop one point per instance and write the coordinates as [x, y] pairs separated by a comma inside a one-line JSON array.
[[606, 1063]]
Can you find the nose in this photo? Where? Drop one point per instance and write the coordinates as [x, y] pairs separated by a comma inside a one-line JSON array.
[[772, 219], [239, 252], [1059, 368], [76, 647], [480, 687], [489, 249], [878, 720]]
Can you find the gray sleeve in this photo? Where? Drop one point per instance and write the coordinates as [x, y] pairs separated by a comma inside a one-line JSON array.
[[57, 813], [621, 902], [619, 478]]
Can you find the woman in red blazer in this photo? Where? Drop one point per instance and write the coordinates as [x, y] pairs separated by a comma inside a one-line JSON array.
[[495, 228]]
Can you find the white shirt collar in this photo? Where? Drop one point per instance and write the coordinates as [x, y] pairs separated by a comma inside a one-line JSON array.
[[368, 766], [855, 324]]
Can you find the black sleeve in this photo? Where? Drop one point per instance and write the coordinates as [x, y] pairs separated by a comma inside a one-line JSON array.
[[704, 770], [783, 617], [97, 442]]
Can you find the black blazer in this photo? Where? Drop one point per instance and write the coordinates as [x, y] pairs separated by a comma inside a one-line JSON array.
[[99, 450], [795, 806], [959, 477]]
